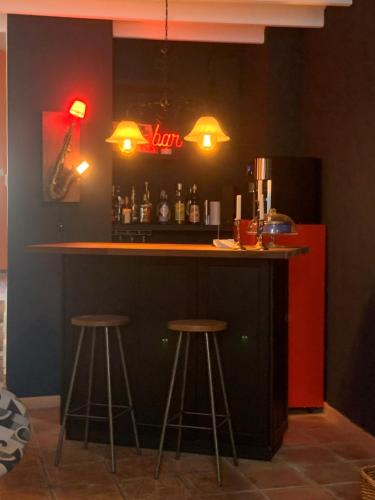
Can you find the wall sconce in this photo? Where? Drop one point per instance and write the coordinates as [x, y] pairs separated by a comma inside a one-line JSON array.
[[58, 180], [127, 135], [207, 132]]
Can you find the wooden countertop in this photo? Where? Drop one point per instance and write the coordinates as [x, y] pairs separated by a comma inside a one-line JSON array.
[[163, 250]]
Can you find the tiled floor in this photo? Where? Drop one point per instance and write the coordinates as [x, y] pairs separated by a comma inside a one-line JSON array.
[[320, 460]]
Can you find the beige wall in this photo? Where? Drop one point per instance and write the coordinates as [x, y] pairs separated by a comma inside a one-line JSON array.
[[3, 165]]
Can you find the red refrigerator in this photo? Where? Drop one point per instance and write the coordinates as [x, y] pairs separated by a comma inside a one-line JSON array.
[[306, 315]]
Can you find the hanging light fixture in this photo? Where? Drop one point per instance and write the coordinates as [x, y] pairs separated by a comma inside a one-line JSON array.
[[207, 132], [127, 135]]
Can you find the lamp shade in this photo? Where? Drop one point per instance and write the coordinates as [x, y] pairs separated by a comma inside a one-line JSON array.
[[127, 135], [206, 133], [78, 109]]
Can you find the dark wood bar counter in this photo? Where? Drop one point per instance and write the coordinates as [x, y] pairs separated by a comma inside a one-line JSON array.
[[154, 283]]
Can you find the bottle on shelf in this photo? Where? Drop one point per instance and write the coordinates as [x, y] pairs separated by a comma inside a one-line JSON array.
[[179, 206], [194, 209], [134, 207], [126, 211], [187, 205], [117, 202], [145, 212], [163, 211]]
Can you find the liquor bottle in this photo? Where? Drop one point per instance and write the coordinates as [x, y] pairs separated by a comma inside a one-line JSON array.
[[126, 211], [120, 205], [147, 191], [194, 212], [188, 201], [179, 206], [145, 212], [116, 198], [134, 207], [164, 211]]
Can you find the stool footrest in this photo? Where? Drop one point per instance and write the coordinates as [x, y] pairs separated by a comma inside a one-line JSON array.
[[74, 413], [199, 427]]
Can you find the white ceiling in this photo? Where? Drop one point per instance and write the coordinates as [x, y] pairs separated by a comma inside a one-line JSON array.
[[237, 21]]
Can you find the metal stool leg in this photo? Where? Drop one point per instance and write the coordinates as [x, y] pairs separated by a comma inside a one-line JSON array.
[[109, 390], [212, 399], [235, 459], [90, 386], [166, 414], [183, 395], [68, 398], [125, 372]]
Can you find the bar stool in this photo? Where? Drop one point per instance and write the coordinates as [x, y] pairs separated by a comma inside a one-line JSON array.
[[209, 328], [105, 322]]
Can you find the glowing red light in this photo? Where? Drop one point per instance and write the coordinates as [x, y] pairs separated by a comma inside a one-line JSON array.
[[78, 109], [166, 140]]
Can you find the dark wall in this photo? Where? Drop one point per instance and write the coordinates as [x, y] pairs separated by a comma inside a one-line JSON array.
[[339, 100], [254, 90], [51, 62], [204, 78]]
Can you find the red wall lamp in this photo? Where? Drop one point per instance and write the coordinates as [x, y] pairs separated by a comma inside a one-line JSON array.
[[62, 164]]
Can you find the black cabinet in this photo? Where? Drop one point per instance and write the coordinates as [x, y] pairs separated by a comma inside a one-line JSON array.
[[251, 294]]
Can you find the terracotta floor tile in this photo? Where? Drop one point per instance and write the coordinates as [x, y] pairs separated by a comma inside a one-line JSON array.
[[305, 493], [33, 441], [188, 462], [339, 472], [103, 451], [319, 460], [92, 491], [81, 473], [73, 452], [346, 491], [27, 494], [273, 475], [205, 482], [327, 434], [295, 437], [51, 415], [170, 488], [244, 495], [20, 478], [47, 439], [306, 455], [353, 450], [361, 463], [31, 458], [135, 466], [46, 419]]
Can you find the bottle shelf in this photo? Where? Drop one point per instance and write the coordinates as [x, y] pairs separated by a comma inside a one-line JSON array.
[[122, 228]]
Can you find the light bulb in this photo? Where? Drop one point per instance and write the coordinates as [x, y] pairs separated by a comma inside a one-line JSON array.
[[207, 142], [128, 146], [82, 167]]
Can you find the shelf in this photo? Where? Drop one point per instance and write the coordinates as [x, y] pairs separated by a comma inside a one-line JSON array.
[[122, 228]]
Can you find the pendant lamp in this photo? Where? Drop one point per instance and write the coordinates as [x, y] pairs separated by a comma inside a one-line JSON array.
[[207, 132], [127, 135]]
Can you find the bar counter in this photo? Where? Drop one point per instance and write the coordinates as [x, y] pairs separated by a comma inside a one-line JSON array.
[[154, 283], [164, 250]]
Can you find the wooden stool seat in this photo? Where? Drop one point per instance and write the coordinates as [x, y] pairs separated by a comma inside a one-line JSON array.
[[100, 320], [197, 325]]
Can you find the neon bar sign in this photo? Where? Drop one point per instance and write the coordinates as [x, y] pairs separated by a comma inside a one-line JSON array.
[[160, 142]]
